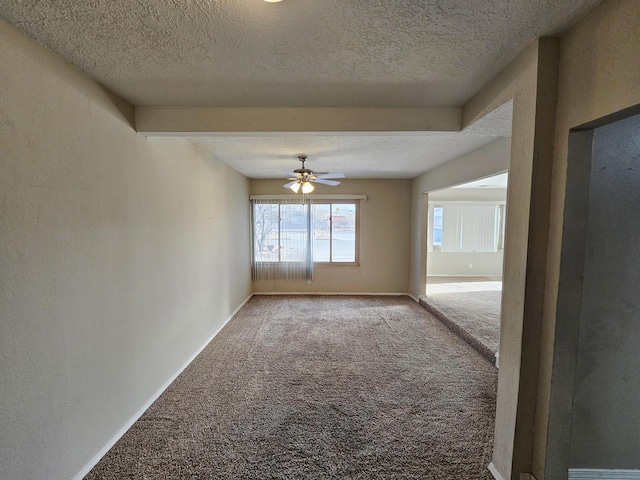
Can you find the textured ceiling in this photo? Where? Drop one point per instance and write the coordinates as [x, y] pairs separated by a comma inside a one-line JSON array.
[[496, 181], [307, 53], [400, 53], [357, 156]]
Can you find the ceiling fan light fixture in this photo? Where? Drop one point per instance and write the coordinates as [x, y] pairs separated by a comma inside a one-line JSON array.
[[303, 178], [295, 187], [307, 187]]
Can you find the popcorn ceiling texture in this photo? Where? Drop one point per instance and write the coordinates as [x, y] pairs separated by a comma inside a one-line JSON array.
[[357, 156], [294, 53]]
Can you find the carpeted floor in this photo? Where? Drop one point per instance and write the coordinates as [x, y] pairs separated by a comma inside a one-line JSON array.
[[320, 387], [470, 306]]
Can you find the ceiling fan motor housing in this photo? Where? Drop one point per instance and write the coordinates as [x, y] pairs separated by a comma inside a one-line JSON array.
[[306, 175]]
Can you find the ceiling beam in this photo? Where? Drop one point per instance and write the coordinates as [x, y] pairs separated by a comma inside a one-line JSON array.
[[206, 121]]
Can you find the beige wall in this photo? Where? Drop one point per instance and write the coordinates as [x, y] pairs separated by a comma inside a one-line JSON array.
[[120, 256], [464, 264], [384, 240], [471, 194], [530, 81], [599, 74]]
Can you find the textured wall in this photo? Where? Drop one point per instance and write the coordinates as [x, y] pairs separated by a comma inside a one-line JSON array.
[[531, 80], [606, 411], [599, 74], [384, 240], [120, 256]]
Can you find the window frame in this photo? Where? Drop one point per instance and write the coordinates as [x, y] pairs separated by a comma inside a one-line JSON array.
[[319, 201], [356, 256]]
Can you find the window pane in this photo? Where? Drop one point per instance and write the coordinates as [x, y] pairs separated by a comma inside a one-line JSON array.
[[265, 232], [321, 237], [282, 232], [437, 226], [293, 232], [343, 224]]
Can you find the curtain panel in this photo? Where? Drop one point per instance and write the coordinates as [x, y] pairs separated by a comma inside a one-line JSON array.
[[470, 228], [282, 245]]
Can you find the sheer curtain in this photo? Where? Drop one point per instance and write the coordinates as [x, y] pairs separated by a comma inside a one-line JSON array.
[[282, 246]]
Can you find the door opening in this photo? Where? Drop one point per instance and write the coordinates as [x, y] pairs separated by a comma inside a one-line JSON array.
[[595, 413]]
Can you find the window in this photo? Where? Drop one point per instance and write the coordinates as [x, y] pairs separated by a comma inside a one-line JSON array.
[[334, 232], [279, 232], [290, 235], [467, 227], [437, 226]]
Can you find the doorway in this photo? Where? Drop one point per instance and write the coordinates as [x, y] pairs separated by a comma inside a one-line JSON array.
[[465, 251], [595, 413]]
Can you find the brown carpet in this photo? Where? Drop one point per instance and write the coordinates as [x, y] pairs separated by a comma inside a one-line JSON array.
[[470, 306], [318, 387]]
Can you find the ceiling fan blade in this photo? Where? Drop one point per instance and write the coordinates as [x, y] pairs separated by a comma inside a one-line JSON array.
[[330, 175], [333, 183], [290, 184]]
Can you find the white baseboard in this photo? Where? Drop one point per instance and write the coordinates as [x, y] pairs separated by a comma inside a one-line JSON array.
[[602, 474], [494, 471], [397, 294], [103, 451], [497, 278]]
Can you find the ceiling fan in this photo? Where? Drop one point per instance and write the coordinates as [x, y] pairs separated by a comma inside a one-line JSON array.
[[304, 176]]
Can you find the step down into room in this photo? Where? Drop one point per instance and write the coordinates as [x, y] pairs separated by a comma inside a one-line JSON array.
[[470, 307]]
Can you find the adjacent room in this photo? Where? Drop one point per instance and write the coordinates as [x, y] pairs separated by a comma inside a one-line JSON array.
[[465, 251], [218, 219]]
